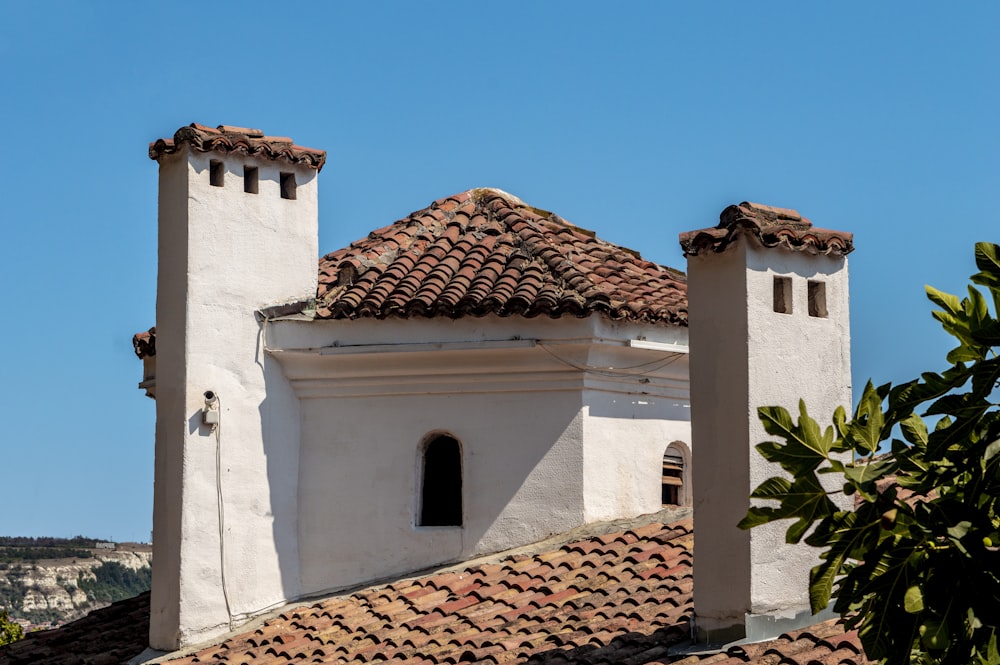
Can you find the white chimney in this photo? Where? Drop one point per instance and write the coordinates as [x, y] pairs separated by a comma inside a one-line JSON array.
[[769, 324], [237, 232]]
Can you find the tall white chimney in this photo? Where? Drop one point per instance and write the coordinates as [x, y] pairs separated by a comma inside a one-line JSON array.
[[769, 324], [237, 232]]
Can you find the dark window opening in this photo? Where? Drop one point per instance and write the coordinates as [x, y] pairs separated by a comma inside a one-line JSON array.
[[817, 299], [673, 478], [441, 493], [250, 179], [288, 186], [216, 173], [783, 295]]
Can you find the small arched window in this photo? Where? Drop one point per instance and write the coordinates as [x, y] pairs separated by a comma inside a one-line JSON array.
[[441, 483], [673, 476]]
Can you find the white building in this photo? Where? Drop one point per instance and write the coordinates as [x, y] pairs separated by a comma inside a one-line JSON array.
[[479, 375]]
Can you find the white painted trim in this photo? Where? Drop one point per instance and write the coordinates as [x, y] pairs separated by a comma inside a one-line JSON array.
[[428, 346], [657, 346]]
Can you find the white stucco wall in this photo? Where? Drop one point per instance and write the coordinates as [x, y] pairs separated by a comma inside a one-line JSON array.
[[745, 355], [625, 437], [791, 357], [560, 421], [360, 471], [224, 254]]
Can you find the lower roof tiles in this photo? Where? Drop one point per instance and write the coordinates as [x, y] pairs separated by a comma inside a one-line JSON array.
[[622, 597]]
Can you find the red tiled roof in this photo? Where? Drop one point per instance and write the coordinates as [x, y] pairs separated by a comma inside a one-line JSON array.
[[621, 597], [486, 252], [614, 596], [108, 636], [226, 138], [823, 644], [771, 227], [144, 343]]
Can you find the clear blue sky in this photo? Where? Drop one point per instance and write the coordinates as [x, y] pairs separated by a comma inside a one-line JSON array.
[[636, 120]]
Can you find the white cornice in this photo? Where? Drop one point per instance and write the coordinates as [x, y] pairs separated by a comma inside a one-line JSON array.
[[484, 366]]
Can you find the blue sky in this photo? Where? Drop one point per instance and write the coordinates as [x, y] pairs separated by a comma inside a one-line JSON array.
[[636, 120]]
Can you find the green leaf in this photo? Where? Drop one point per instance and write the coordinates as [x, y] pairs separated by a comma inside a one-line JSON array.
[[805, 447], [821, 579], [914, 429], [913, 600], [772, 488], [992, 653], [757, 516], [988, 262], [865, 430], [959, 530], [934, 635], [947, 301], [991, 451], [864, 472]]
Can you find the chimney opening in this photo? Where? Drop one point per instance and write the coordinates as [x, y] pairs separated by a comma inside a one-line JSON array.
[[250, 179], [288, 186], [783, 294], [817, 299], [216, 173]]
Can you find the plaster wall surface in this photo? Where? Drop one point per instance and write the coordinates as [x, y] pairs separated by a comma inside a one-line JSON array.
[[225, 253], [791, 357], [625, 437], [720, 418], [748, 355], [360, 473], [548, 412]]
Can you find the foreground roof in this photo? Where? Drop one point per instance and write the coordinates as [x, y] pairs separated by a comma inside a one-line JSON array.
[[618, 597], [486, 252], [108, 636], [770, 226]]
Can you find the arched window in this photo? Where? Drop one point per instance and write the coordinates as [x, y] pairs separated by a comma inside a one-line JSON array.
[[673, 476], [441, 483]]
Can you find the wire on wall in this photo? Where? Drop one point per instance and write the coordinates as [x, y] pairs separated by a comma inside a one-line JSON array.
[[222, 515], [652, 365]]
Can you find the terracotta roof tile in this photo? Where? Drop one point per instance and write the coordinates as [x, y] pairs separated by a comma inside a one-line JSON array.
[[226, 138], [523, 608], [585, 602], [109, 636], [771, 227], [144, 343], [486, 252]]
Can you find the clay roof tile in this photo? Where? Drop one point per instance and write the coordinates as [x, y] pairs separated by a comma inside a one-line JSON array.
[[771, 227], [228, 138], [507, 259]]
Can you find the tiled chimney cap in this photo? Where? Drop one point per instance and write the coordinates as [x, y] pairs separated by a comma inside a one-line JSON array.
[[772, 227], [144, 343], [227, 138]]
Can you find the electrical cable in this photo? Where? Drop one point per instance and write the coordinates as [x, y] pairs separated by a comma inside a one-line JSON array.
[[611, 371], [222, 515]]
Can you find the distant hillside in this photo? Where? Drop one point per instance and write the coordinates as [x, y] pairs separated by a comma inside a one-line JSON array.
[[48, 581]]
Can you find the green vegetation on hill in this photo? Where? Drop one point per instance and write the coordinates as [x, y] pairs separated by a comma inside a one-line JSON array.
[[12, 593], [14, 549], [10, 555], [24, 541], [113, 581]]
